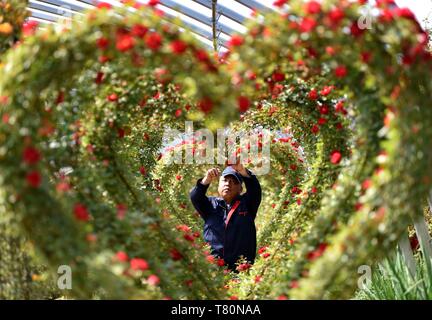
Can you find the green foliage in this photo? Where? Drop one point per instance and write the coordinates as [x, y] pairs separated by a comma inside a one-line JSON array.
[[21, 275], [392, 280], [12, 16]]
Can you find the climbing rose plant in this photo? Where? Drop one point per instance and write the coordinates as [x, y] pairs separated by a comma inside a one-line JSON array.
[[83, 111]]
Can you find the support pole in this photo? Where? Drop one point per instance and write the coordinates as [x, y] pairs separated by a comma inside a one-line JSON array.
[[214, 13], [405, 248]]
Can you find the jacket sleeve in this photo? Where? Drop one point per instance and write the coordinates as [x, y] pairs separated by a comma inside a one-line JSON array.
[[253, 192], [199, 199]]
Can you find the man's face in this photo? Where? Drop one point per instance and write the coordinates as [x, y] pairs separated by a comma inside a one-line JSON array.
[[229, 187]]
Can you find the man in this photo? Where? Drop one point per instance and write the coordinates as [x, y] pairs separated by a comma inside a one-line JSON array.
[[229, 220]]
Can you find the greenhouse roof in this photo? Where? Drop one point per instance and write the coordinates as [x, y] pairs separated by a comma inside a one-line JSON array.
[[194, 14]]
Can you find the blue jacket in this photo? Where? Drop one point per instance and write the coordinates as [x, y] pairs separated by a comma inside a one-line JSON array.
[[239, 236]]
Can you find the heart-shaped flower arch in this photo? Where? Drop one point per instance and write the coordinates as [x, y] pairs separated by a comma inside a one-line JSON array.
[[97, 97]]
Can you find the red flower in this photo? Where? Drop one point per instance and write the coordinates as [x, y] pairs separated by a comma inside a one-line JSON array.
[[81, 213], [296, 190], [29, 27], [324, 110], [121, 132], [356, 31], [341, 71], [313, 94], [178, 177], [315, 129], [313, 7], [138, 30], [31, 155], [122, 256], [124, 42], [153, 3], [103, 5], [407, 59], [278, 76], [91, 237], [103, 59], [235, 41], [183, 228], [243, 103], [99, 77], [307, 24], [143, 170], [280, 3], [318, 252], [367, 184], [153, 280], [335, 157], [139, 264], [5, 118], [265, 255], [294, 284], [34, 179], [384, 3], [121, 210], [322, 121], [102, 43], [386, 15], [326, 90], [405, 13], [366, 57], [336, 15], [112, 97], [205, 105], [262, 249], [154, 41], [178, 46], [63, 187], [414, 242], [244, 266], [330, 50], [220, 262], [188, 237], [175, 254], [4, 100], [339, 107], [60, 97], [210, 258], [202, 55]]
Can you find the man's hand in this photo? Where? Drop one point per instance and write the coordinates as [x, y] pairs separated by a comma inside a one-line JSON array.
[[211, 175], [240, 168]]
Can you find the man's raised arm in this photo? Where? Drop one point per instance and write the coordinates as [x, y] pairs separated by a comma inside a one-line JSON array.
[[253, 188], [198, 193]]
